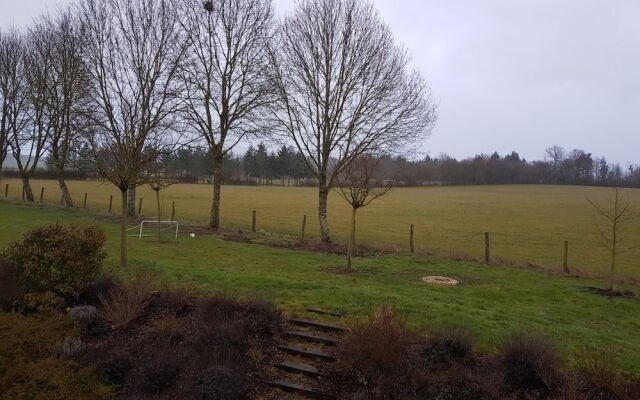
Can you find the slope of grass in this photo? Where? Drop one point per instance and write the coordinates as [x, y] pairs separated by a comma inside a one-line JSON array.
[[528, 223], [490, 301]]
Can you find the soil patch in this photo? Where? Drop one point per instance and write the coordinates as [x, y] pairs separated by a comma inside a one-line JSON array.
[[626, 294]]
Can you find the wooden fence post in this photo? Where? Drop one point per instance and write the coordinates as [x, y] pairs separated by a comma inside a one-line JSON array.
[[84, 204], [140, 206], [110, 203], [173, 211], [41, 194], [6, 190], [411, 232], [253, 221], [487, 248], [304, 225], [565, 264]]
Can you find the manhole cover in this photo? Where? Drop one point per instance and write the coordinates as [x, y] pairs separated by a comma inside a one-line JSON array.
[[440, 280]]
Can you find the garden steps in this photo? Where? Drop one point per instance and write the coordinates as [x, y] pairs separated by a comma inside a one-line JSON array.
[[324, 326], [298, 368], [305, 356], [317, 310], [310, 337], [304, 390], [306, 353]]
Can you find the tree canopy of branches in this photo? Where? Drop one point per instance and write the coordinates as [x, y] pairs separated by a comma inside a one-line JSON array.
[[614, 214], [344, 88], [24, 69], [356, 184], [66, 88], [133, 50], [13, 94], [226, 85]]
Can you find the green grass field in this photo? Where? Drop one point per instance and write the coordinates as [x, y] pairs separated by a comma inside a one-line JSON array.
[[528, 223], [491, 301]]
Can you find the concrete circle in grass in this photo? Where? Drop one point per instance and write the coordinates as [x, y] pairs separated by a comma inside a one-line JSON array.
[[440, 280]]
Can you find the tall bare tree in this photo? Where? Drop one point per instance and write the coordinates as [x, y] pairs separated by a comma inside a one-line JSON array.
[[344, 88], [30, 126], [615, 213], [13, 93], [225, 75], [66, 88], [357, 185], [556, 155], [133, 50]]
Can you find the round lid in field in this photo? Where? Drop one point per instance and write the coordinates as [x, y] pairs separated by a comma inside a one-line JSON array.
[[440, 280]]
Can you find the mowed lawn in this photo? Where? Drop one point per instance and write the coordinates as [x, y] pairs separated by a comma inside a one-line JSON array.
[[491, 301], [528, 223]]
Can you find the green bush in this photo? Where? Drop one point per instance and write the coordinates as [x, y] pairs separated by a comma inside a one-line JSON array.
[[11, 286], [62, 259]]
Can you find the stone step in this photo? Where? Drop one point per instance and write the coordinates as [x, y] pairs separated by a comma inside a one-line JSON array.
[[321, 311], [302, 389], [312, 338], [298, 368], [317, 324], [308, 353]]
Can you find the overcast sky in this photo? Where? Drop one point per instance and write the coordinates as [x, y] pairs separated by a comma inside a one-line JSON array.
[[510, 74]]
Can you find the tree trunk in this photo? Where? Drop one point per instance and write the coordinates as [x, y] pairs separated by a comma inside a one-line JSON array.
[[214, 219], [352, 239], [68, 201], [131, 203], [123, 231], [323, 195], [159, 213], [26, 186]]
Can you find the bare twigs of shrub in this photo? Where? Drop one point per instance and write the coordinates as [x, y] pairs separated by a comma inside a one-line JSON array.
[[126, 302]]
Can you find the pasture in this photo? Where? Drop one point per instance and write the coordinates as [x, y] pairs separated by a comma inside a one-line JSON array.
[[491, 301], [528, 223]]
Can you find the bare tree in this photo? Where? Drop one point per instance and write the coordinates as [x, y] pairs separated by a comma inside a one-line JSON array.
[[225, 75], [356, 184], [13, 93], [133, 51], [66, 90], [30, 126], [344, 88], [161, 178], [615, 214], [556, 154]]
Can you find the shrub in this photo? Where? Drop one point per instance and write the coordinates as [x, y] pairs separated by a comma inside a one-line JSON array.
[[158, 375], [62, 259], [114, 370], [167, 329], [11, 286], [71, 346], [126, 302], [83, 315], [447, 344], [373, 351], [263, 319], [531, 362], [99, 288], [221, 383], [45, 302]]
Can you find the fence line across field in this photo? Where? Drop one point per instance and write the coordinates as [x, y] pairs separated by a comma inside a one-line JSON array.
[[489, 241]]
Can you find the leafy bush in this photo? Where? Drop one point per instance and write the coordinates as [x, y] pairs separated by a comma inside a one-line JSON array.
[[45, 302], [447, 344], [11, 286], [62, 259], [99, 288], [126, 302], [531, 362], [158, 375]]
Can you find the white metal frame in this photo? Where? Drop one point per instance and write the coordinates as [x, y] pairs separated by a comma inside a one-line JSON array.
[[151, 221]]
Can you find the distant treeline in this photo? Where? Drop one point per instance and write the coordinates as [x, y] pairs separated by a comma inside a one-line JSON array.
[[286, 166]]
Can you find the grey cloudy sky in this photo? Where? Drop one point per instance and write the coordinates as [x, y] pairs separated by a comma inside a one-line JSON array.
[[510, 74]]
